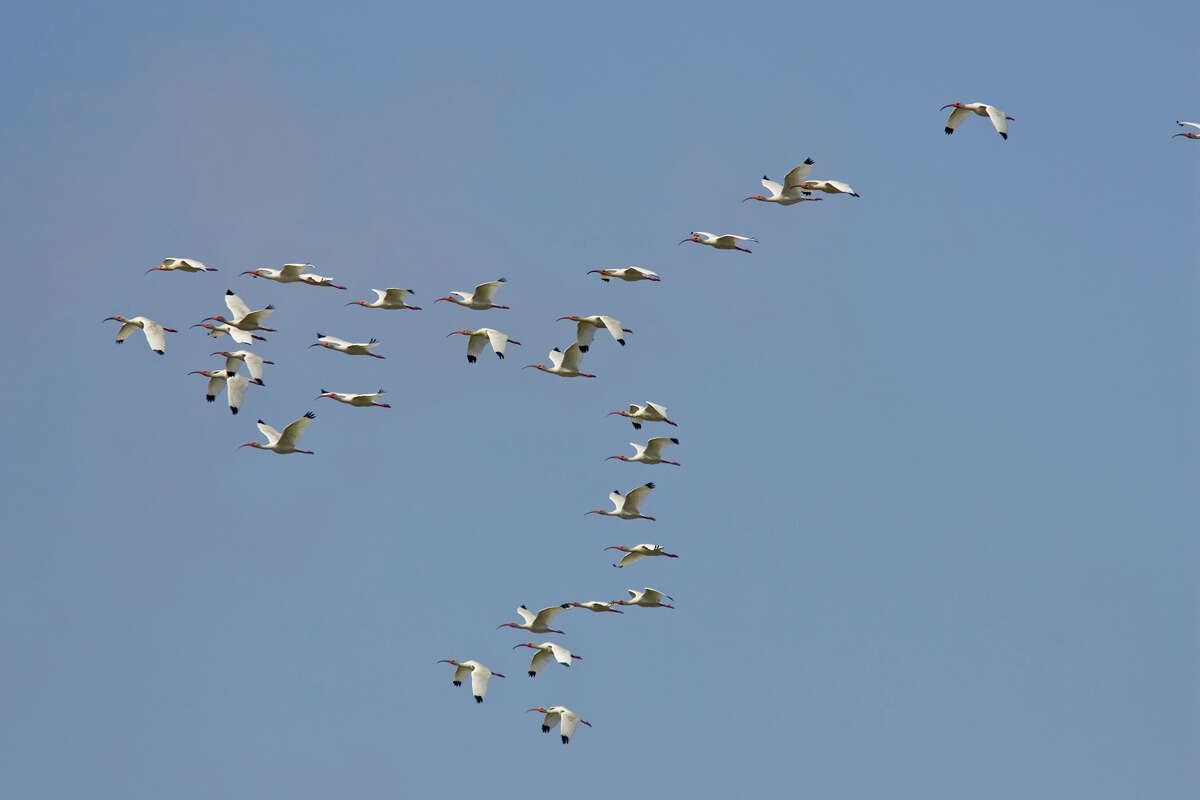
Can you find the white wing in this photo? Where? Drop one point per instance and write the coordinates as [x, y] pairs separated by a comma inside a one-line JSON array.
[[460, 673], [573, 358], [237, 390], [618, 501], [771, 186], [124, 331], [638, 449], [584, 333], [155, 336], [556, 357], [291, 272], [484, 292], [654, 447], [998, 120], [645, 272], [539, 660], [254, 364], [499, 341], [633, 500], [630, 558], [479, 680], [652, 595], [335, 341], [233, 361], [614, 328], [799, 173], [269, 432], [292, 432], [561, 654], [475, 343], [841, 187], [239, 336], [956, 118], [733, 237], [569, 721], [526, 615], [215, 385], [237, 306], [1195, 125], [393, 296], [545, 616], [550, 720], [661, 410]]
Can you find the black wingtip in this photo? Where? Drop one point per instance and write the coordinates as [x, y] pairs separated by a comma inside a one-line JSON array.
[[557, 350], [210, 397], [269, 308], [161, 352], [765, 178], [533, 674], [545, 729], [949, 131], [310, 415], [229, 291], [621, 342], [502, 280], [1004, 136], [566, 739], [674, 440], [320, 335], [583, 348], [260, 422], [470, 359], [637, 426], [500, 355], [457, 683], [809, 161], [232, 410], [478, 699], [650, 485]]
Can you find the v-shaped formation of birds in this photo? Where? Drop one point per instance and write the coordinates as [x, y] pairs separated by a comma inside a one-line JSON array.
[[243, 324]]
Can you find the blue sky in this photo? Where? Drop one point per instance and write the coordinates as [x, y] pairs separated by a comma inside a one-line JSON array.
[[936, 512]]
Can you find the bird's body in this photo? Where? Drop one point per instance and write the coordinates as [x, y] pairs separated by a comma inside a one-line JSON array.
[[243, 318], [649, 453], [239, 336], [630, 274], [829, 187], [389, 299], [480, 299], [560, 714], [349, 348], [651, 412], [477, 339], [789, 192], [963, 110], [289, 274], [627, 506], [647, 598], [254, 362], [155, 333], [283, 443], [545, 652], [181, 264], [536, 623], [219, 379], [479, 676], [598, 606], [638, 552], [564, 364], [360, 400], [586, 327], [1189, 134], [726, 241]]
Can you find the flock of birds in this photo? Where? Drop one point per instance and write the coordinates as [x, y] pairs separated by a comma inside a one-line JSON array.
[[244, 325]]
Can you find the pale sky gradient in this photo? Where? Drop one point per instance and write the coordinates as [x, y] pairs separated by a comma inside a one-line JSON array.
[[936, 514]]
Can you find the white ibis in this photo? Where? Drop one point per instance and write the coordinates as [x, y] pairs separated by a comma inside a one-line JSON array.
[[479, 676], [219, 378], [477, 339], [181, 264], [963, 110], [829, 187], [536, 623], [726, 241], [565, 365], [554, 714], [647, 598], [638, 552], [289, 274], [586, 328], [239, 336], [254, 363], [651, 412], [283, 443], [625, 274], [480, 299], [1189, 134], [789, 192], [349, 348], [545, 652], [389, 299], [243, 318], [154, 332], [598, 606], [360, 400], [628, 506], [649, 453]]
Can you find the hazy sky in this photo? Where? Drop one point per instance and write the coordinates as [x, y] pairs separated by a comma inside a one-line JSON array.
[[936, 516]]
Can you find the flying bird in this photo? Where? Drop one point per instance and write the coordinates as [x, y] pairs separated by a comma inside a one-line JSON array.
[[243, 318], [586, 328], [626, 274], [217, 381], [555, 714], [728, 241], [477, 339], [183, 264], [598, 606], [628, 506], [648, 453], [289, 274], [536, 623], [360, 400], [1189, 134], [638, 552], [283, 443], [565, 365], [349, 348], [963, 110], [254, 363], [651, 412], [239, 336], [545, 652], [789, 192], [479, 676], [480, 299], [647, 598], [828, 187], [389, 299], [154, 332]]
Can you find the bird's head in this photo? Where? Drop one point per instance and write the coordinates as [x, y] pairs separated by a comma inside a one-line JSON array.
[[535, 366], [950, 105], [572, 317], [447, 661], [256, 273], [249, 444], [447, 298], [622, 548], [751, 197], [463, 332], [537, 708], [692, 238], [118, 318], [525, 644], [618, 413], [506, 625]]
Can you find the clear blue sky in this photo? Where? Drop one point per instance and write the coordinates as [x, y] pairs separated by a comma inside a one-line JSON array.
[[936, 513]]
